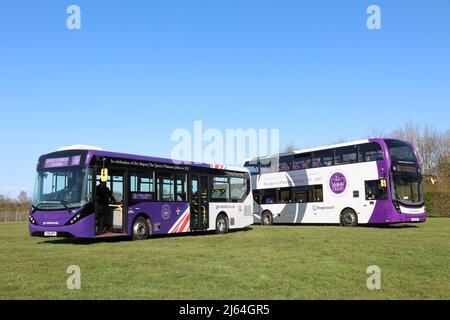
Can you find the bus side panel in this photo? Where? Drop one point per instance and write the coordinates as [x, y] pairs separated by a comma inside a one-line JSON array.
[[239, 214], [334, 202], [166, 217]]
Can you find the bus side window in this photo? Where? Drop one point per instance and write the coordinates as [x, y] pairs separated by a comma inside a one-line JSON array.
[[165, 187], [268, 196], [285, 163], [323, 158], [284, 195], [220, 189], [302, 161], [374, 190], [253, 167], [181, 185], [345, 155], [370, 152]]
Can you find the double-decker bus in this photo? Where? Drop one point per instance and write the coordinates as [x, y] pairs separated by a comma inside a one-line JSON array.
[[374, 181], [87, 193]]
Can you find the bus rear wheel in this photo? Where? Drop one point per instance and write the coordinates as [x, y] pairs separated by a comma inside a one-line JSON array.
[[222, 224], [266, 218], [349, 218], [141, 229]]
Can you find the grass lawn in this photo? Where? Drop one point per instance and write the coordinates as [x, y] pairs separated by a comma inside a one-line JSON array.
[[277, 262]]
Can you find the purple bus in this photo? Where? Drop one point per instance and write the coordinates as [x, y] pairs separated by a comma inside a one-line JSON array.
[[88, 193], [373, 181]]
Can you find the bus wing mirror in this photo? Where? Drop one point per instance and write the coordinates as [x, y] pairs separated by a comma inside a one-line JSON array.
[[104, 175]]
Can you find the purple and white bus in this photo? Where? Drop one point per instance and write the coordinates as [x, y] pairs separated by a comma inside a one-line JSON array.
[[374, 181], [151, 195]]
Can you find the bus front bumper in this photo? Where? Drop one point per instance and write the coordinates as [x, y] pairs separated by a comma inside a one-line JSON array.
[[85, 228]]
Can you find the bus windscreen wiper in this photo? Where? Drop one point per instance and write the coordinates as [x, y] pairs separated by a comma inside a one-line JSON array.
[[63, 202]]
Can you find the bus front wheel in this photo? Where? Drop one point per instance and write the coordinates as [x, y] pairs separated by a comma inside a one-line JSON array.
[[349, 218], [222, 224], [141, 229], [266, 218]]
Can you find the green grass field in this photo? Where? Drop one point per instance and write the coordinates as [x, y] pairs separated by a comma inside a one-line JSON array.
[[278, 262]]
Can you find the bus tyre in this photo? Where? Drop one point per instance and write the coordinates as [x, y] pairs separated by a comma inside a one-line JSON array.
[[349, 218], [141, 229], [222, 224], [266, 218]]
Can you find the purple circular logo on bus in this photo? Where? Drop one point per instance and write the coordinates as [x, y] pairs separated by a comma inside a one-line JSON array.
[[338, 183], [165, 212]]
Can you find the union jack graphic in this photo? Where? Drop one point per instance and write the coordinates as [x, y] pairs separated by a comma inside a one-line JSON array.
[[182, 224], [217, 166]]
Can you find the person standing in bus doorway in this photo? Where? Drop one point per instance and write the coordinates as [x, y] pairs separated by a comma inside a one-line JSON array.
[[104, 214]]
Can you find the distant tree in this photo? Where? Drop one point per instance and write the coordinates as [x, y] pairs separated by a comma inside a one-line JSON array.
[[443, 166], [23, 198], [377, 133], [290, 147], [431, 144], [339, 141]]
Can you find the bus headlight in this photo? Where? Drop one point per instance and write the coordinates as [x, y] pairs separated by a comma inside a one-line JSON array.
[[31, 219], [75, 219]]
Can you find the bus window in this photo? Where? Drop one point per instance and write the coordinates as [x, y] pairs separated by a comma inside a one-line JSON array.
[[301, 194], [370, 152], [374, 191], [181, 185], [238, 188], [141, 182], [302, 161], [220, 189], [252, 166], [323, 158], [267, 165], [165, 187], [268, 196], [284, 195], [317, 194], [117, 188], [345, 155], [285, 163], [400, 151]]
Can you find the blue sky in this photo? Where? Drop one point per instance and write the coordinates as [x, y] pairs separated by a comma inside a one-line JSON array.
[[138, 70]]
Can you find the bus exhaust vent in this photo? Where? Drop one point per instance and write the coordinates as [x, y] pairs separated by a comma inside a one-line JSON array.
[[80, 147]]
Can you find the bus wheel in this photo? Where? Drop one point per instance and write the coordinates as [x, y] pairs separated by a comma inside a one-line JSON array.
[[349, 218], [141, 229], [222, 224], [266, 218]]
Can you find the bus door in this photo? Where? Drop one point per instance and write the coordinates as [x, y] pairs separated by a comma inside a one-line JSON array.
[[199, 202], [113, 216]]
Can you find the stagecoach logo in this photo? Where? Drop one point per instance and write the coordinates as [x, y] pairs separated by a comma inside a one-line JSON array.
[[165, 212], [338, 183], [316, 208]]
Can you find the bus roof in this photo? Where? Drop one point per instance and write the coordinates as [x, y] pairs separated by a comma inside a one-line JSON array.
[[92, 152], [344, 144]]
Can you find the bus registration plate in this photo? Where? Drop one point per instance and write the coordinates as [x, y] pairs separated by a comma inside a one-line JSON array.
[[50, 233], [415, 219]]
